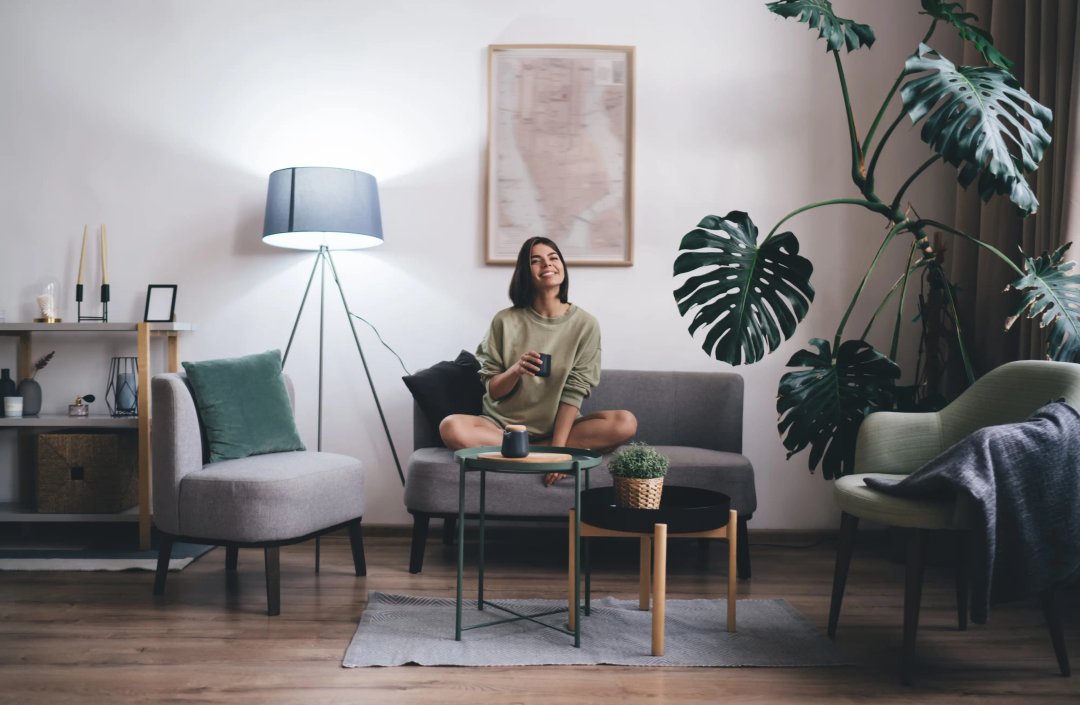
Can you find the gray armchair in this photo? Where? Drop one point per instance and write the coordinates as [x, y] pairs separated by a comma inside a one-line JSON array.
[[263, 501]]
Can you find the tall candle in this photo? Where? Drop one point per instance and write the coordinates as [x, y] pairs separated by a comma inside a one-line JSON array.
[[82, 255], [104, 257]]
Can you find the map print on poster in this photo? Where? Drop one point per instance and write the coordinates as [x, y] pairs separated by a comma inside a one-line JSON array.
[[560, 139]]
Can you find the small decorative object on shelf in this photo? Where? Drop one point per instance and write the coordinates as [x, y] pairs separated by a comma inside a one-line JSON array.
[[7, 387], [122, 393], [30, 390], [79, 408], [46, 302], [13, 407], [638, 472], [104, 317]]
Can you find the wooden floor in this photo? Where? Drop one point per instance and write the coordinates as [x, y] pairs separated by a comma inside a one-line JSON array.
[[103, 638]]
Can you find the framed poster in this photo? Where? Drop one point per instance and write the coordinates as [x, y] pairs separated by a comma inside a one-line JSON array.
[[560, 151]]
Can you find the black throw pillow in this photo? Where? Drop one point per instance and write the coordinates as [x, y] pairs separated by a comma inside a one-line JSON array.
[[448, 387]]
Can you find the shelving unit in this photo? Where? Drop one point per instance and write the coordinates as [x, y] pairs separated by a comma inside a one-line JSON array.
[[22, 511]]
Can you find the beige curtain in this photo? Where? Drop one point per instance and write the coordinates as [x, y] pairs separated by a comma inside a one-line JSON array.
[[1041, 36]]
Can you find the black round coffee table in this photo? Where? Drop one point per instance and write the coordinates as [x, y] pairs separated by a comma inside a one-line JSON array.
[[685, 512], [683, 509]]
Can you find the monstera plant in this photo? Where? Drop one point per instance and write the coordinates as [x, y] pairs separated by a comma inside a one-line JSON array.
[[744, 296]]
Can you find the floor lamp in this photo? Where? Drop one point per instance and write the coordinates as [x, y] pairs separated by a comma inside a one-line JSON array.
[[323, 209]]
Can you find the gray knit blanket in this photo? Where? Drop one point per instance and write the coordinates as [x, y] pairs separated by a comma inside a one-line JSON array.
[[1023, 483]]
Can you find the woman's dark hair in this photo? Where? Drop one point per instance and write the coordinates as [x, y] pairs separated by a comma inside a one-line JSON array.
[[521, 284]]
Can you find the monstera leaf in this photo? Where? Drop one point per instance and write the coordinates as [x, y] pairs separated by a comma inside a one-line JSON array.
[[836, 31], [953, 13], [746, 296], [822, 406], [1051, 296], [979, 113]]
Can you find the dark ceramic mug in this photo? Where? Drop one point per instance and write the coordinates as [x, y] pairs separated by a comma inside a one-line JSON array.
[[545, 365], [515, 442]]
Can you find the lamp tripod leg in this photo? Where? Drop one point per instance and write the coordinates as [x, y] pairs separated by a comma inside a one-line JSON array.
[[300, 311], [363, 360]]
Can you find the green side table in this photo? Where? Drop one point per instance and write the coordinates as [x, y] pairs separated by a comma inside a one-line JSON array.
[[471, 460]]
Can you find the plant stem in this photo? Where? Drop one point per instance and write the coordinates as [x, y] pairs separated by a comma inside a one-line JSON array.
[[893, 231], [856, 153], [811, 206], [911, 179], [881, 145], [884, 300], [930, 32], [968, 371], [900, 306], [947, 228], [881, 112]]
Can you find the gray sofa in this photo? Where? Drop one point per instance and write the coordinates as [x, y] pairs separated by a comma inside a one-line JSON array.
[[694, 418]]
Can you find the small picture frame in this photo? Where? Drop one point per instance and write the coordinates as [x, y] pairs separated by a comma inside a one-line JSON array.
[[160, 303]]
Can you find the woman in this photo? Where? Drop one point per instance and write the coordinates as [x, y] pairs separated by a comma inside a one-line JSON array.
[[541, 320]]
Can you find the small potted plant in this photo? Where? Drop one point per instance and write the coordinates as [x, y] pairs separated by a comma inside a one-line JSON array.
[[638, 472]]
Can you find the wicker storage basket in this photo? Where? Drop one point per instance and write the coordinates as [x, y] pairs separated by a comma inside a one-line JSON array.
[[87, 473], [637, 493]]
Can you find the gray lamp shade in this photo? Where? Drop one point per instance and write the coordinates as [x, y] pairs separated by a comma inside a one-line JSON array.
[[312, 207]]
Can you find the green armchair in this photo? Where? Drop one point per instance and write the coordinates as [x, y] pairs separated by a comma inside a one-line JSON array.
[[892, 443]]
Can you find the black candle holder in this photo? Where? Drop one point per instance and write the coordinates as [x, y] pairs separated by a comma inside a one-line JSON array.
[[122, 391], [104, 317]]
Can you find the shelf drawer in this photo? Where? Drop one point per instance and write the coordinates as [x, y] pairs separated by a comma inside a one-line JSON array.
[[86, 472]]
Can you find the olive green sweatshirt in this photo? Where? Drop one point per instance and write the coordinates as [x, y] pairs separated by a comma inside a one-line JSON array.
[[572, 340]]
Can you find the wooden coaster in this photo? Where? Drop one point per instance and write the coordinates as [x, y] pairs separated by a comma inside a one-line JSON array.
[[530, 458]]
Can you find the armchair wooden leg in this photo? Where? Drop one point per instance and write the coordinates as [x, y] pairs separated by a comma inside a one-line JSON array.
[[356, 542], [273, 580], [165, 544], [912, 599], [848, 524], [419, 541], [232, 555], [1057, 636], [962, 590], [742, 549]]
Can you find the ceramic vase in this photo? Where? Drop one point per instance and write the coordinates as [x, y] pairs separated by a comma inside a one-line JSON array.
[[30, 391]]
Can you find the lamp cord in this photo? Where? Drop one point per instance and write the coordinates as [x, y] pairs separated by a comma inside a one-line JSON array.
[[379, 336]]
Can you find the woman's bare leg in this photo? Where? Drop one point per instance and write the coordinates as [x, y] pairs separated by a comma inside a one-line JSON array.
[[464, 431], [601, 431]]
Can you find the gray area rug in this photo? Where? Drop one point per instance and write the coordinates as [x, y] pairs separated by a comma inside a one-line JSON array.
[[96, 558], [399, 629]]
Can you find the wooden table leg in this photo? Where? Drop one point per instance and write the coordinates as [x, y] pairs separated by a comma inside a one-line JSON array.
[[644, 571], [733, 539], [659, 587], [143, 336]]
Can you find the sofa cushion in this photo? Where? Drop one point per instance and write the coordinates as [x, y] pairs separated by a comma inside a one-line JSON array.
[[243, 406], [448, 387], [271, 497]]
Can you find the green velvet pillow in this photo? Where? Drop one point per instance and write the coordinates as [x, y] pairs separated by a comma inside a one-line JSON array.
[[243, 405]]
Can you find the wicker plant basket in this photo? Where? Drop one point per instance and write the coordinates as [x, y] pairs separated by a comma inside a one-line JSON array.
[[637, 493]]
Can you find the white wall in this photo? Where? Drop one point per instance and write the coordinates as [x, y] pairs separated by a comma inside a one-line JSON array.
[[163, 119]]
